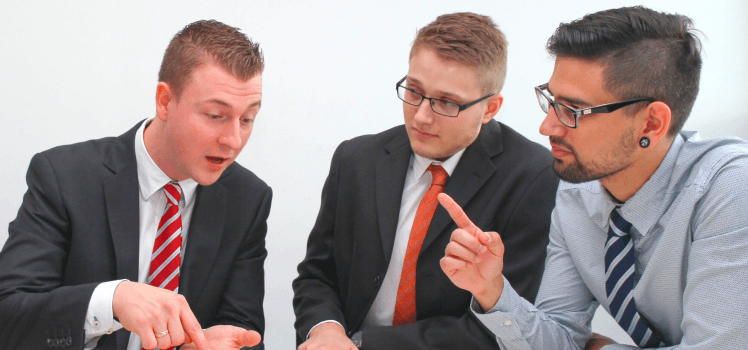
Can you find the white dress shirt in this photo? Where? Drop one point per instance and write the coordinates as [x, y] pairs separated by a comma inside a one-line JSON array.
[[152, 201], [417, 182]]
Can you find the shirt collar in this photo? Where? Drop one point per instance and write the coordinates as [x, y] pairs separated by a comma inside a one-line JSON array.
[[645, 207], [151, 178], [421, 164]]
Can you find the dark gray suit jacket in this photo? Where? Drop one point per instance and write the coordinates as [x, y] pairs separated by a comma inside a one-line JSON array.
[[78, 226], [504, 182]]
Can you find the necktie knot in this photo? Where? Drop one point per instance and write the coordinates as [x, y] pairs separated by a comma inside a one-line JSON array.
[[618, 225], [438, 174], [173, 192]]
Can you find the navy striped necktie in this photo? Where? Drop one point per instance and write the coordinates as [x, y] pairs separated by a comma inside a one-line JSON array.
[[619, 282]]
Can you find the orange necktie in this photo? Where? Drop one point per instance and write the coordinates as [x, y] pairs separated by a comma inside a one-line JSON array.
[[405, 306]]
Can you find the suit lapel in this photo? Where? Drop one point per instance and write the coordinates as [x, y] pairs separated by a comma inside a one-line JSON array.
[[121, 196], [390, 180], [473, 170], [121, 193], [203, 240]]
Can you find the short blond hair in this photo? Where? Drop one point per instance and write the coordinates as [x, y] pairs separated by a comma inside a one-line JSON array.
[[470, 39]]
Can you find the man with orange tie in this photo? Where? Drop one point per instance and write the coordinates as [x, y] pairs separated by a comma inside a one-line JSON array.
[[371, 277], [142, 240]]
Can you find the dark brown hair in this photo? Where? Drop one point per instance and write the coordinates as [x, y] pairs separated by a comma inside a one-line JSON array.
[[470, 39], [207, 40], [645, 54]]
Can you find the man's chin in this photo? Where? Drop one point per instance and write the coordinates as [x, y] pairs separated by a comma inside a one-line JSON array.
[[571, 173]]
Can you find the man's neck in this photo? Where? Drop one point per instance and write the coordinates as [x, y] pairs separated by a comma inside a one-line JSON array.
[[625, 183], [156, 147]]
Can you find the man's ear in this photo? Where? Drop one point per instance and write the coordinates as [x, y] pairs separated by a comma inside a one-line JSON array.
[[164, 96], [493, 104], [656, 123]]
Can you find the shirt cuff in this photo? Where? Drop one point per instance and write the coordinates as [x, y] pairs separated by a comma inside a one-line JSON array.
[[100, 317], [326, 321], [500, 319]]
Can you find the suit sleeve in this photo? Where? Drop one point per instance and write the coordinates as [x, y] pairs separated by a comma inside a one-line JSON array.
[[35, 309], [529, 224], [316, 292]]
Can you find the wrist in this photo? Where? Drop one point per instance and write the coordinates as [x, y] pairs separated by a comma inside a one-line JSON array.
[[330, 328], [490, 294]]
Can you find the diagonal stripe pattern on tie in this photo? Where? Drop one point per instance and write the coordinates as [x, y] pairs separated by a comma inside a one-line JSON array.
[[167, 248], [619, 282], [405, 305]]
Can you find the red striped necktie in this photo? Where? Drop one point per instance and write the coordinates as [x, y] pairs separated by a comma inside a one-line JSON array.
[[167, 248]]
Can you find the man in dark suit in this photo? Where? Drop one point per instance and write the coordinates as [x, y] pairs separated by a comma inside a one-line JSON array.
[[163, 204], [372, 269]]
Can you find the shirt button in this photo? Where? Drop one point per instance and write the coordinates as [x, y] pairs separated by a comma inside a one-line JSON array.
[[96, 322], [507, 323], [108, 331]]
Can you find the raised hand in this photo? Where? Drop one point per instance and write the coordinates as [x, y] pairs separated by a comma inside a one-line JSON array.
[[473, 259], [224, 337], [148, 311], [328, 336]]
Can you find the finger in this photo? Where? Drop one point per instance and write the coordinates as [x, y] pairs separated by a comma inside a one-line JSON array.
[[493, 242], [466, 239], [457, 214], [147, 338], [162, 342], [249, 338], [193, 329], [451, 264], [176, 333], [458, 251]]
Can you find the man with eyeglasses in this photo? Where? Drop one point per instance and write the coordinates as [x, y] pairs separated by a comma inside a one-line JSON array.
[[650, 221], [372, 270]]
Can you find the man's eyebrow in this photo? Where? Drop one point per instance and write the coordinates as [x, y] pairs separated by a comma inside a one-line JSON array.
[[571, 100], [217, 101], [441, 93]]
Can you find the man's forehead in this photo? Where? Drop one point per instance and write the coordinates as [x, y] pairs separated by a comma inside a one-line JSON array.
[[577, 81]]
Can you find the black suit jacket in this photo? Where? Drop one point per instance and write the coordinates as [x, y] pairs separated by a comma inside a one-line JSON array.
[[504, 182], [78, 226]]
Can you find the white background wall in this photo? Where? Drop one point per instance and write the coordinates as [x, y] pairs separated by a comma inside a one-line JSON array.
[[77, 70]]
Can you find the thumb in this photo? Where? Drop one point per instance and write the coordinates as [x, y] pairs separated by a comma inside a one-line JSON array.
[[249, 338], [493, 242]]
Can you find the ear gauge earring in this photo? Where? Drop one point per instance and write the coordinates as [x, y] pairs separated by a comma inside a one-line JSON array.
[[644, 142]]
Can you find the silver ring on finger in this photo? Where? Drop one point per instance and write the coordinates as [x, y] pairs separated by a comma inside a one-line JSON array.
[[162, 334]]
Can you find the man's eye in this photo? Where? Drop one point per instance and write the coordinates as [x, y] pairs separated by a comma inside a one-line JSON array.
[[445, 103]]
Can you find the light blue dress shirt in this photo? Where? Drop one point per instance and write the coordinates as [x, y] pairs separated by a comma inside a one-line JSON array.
[[690, 233]]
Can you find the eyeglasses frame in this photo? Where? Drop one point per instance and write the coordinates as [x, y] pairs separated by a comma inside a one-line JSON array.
[[461, 107], [578, 112]]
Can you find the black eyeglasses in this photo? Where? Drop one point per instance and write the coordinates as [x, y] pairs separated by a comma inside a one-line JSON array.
[[569, 116], [445, 108]]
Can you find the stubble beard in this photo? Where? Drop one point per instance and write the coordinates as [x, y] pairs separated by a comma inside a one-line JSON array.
[[579, 171]]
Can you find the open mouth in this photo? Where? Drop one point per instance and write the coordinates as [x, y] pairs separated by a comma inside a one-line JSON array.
[[216, 160]]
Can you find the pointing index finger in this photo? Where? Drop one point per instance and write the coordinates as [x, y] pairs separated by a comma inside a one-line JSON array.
[[457, 214]]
